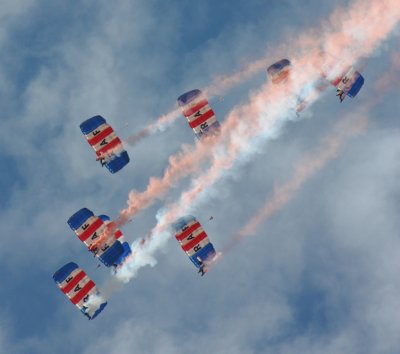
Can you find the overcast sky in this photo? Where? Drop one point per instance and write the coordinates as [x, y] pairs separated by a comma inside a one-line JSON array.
[[319, 276]]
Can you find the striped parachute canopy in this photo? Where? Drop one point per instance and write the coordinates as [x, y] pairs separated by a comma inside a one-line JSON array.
[[193, 240], [200, 116], [105, 142], [279, 71], [80, 289], [108, 247]]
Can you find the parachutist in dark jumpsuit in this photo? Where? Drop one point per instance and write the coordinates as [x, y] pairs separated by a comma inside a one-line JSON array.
[[105, 158], [201, 268], [341, 94], [83, 310]]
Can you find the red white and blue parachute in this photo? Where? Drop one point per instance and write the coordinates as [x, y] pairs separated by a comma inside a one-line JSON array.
[[103, 240], [347, 80], [79, 288], [194, 241], [105, 142], [279, 71], [347, 83], [200, 116]]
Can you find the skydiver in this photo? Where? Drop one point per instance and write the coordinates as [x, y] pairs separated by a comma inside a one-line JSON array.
[[105, 158], [210, 218], [102, 160], [201, 268], [341, 94]]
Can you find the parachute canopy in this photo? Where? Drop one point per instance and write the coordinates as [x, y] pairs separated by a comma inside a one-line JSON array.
[[78, 287], [279, 71], [105, 142], [93, 232], [194, 240], [200, 116]]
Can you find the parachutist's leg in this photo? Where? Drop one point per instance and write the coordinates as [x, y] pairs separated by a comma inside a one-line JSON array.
[[201, 270]]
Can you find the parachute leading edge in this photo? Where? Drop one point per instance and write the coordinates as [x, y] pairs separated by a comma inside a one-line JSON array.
[[200, 116], [105, 142], [78, 287], [194, 241]]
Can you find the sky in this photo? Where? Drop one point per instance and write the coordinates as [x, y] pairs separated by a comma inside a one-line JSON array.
[[319, 274]]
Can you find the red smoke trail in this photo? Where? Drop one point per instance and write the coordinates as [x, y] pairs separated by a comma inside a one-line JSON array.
[[363, 33]]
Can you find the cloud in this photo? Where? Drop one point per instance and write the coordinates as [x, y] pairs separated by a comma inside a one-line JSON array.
[[129, 61]]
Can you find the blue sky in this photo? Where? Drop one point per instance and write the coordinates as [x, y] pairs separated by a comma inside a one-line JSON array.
[[319, 276]]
